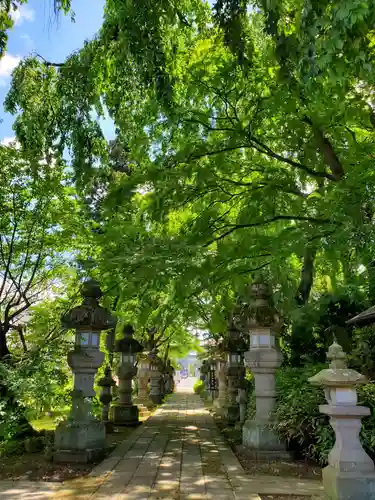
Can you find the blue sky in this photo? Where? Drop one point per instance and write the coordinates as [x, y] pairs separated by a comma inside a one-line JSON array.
[[38, 31]]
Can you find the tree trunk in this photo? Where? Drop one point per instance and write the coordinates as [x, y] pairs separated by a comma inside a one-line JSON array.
[[24, 429], [301, 338], [4, 351]]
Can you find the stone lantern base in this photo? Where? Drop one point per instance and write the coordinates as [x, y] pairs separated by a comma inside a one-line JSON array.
[[347, 485], [261, 441], [79, 441], [157, 399], [125, 415]]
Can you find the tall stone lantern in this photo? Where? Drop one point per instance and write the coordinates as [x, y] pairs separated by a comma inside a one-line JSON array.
[[106, 383], [125, 413], [263, 359], [81, 438], [350, 474], [220, 402], [156, 377], [143, 375], [235, 372], [169, 379], [204, 376]]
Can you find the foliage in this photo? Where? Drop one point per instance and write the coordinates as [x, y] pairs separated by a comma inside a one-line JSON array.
[[299, 421], [362, 356], [223, 164], [198, 387]]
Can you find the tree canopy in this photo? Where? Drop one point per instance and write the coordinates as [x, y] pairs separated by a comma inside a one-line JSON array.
[[244, 143]]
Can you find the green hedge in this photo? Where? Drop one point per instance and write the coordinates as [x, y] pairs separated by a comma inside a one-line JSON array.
[[299, 421]]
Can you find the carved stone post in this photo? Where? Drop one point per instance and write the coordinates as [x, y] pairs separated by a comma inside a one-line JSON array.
[[350, 473], [155, 378], [124, 412], [81, 438], [263, 359], [106, 383]]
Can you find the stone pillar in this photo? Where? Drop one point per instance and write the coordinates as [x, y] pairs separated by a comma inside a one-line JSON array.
[[81, 438], [235, 375], [156, 378], [350, 474], [221, 402], [263, 359], [125, 413], [106, 383]]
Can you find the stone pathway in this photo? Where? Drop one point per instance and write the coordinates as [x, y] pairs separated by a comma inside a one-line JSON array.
[[178, 454]]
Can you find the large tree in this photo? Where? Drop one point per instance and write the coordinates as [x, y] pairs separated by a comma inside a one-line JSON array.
[[237, 152]]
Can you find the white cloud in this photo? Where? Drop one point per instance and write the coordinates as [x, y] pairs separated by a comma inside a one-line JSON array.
[[10, 141], [7, 65], [23, 13]]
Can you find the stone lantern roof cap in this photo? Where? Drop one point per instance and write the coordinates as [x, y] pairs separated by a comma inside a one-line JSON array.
[[338, 374], [107, 380], [128, 344], [89, 315]]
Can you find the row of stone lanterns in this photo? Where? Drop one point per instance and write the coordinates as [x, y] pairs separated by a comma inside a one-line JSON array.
[[81, 438], [350, 474]]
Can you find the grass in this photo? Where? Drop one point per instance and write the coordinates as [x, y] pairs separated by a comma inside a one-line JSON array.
[[47, 423]]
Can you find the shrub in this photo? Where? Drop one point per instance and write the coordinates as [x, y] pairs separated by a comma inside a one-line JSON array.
[[198, 387], [299, 421]]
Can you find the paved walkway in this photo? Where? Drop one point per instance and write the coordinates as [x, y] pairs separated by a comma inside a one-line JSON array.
[[177, 454]]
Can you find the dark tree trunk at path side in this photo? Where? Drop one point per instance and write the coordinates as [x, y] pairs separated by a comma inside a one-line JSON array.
[[301, 338], [12, 405]]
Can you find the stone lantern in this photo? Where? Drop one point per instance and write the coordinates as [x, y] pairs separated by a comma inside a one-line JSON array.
[[212, 386], [204, 375], [169, 381], [350, 473], [124, 412], [106, 383], [220, 402], [235, 372], [242, 399], [263, 359], [156, 378], [143, 375], [81, 438]]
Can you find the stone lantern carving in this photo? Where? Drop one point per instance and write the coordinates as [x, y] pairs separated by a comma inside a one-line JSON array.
[[156, 378], [263, 359], [350, 473], [125, 412], [81, 438], [106, 383]]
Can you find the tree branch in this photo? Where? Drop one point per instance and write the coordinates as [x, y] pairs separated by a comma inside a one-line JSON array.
[[264, 222]]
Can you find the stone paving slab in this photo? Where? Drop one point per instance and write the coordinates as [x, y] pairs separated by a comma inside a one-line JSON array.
[[177, 454]]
